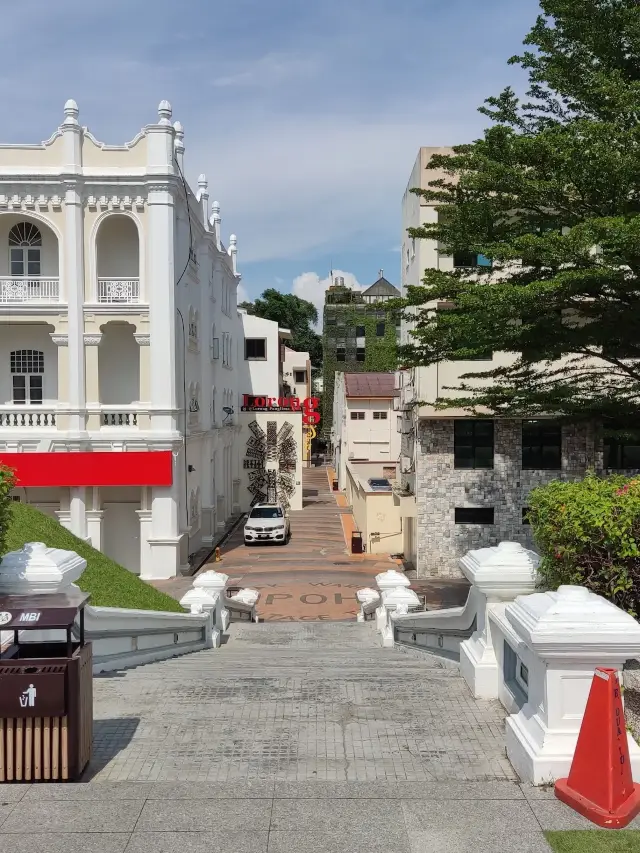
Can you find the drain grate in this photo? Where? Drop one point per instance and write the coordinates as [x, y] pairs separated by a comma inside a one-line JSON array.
[[341, 564]]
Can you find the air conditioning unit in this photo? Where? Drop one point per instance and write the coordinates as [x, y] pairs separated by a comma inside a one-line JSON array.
[[406, 464]]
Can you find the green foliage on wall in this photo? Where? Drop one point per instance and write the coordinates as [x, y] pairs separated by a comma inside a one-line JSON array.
[[380, 352]]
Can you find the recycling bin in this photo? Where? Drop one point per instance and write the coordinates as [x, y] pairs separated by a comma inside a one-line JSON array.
[[46, 689], [356, 542]]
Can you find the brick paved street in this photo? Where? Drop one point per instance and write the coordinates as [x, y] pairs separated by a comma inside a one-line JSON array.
[[314, 577]]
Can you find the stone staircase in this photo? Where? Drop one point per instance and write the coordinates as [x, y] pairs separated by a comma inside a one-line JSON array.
[[296, 701]]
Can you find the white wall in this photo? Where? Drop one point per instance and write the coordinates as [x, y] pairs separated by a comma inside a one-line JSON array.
[[119, 365], [261, 377], [117, 248], [293, 362]]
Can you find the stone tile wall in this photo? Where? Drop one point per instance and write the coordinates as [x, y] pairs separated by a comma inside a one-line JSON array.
[[440, 488]]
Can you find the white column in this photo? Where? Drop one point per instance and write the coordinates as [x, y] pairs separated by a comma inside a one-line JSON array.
[[77, 512], [73, 271], [163, 536], [160, 272], [94, 519]]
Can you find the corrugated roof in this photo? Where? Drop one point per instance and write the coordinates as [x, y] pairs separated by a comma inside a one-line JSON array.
[[370, 384]]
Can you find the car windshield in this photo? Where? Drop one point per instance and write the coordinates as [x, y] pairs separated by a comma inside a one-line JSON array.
[[266, 512]]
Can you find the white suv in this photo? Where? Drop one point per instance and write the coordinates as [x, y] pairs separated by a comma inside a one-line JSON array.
[[267, 523]]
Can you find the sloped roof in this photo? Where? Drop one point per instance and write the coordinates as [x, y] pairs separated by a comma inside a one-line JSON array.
[[382, 287], [370, 384]]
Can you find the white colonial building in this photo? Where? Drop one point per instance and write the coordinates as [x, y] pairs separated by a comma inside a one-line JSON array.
[[120, 343]]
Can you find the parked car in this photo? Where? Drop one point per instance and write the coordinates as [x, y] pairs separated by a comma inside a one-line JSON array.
[[379, 485], [267, 523]]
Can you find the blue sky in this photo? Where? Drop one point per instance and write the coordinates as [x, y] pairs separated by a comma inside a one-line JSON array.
[[306, 118]]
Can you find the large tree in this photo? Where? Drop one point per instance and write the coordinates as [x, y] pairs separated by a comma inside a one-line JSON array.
[[551, 195], [293, 313]]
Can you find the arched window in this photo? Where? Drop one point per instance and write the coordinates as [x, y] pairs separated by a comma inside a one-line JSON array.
[[27, 369], [25, 244]]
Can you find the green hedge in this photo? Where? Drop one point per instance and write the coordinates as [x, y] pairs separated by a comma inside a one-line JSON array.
[[588, 533]]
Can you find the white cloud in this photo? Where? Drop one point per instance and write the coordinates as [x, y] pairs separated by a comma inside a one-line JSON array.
[[309, 286], [274, 69], [242, 294]]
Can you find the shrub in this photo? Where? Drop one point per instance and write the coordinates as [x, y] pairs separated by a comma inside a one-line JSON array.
[[7, 482], [588, 533]]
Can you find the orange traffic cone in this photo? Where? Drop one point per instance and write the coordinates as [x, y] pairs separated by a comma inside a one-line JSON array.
[[600, 784]]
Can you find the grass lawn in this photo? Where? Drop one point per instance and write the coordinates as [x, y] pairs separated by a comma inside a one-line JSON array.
[[110, 585], [595, 841]]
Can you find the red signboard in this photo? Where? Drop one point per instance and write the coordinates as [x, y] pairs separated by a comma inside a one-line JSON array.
[[251, 403], [44, 470]]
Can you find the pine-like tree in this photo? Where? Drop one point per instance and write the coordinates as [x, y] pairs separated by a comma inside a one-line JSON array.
[[551, 196]]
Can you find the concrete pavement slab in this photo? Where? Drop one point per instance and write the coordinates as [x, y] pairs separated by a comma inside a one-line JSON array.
[[72, 842], [552, 815], [202, 815], [73, 816], [198, 842]]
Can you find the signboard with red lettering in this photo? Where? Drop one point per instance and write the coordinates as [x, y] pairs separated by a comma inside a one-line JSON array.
[[308, 406]]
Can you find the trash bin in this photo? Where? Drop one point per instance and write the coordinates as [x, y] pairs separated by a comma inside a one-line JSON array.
[[356, 542], [46, 690], [335, 485]]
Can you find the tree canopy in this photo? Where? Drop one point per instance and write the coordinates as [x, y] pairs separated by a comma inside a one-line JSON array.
[[293, 313], [550, 195]]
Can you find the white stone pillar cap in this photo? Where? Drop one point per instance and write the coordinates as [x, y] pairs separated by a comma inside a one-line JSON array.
[[211, 580], [391, 579], [367, 595], [199, 598], [36, 569], [391, 598], [575, 622], [502, 571]]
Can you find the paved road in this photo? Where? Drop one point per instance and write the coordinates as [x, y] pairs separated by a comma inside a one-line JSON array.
[[312, 578], [305, 737]]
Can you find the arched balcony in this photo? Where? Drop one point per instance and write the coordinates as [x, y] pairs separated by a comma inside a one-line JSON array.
[[29, 264], [118, 260]]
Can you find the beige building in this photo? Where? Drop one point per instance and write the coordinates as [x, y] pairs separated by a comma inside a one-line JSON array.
[[364, 423]]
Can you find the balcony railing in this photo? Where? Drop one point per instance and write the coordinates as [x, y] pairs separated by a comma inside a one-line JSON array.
[[119, 290], [118, 417], [32, 289], [27, 418]]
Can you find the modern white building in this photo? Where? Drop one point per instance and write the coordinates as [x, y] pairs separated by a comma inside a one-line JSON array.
[[296, 373], [364, 422], [120, 343], [263, 353], [465, 482]]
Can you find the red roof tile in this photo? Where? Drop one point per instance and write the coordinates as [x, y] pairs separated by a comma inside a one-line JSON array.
[[370, 384]]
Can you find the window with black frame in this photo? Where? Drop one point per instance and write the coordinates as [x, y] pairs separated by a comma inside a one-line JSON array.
[[541, 446], [621, 448], [473, 444]]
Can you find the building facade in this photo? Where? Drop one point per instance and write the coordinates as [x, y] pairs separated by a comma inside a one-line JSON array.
[[463, 482], [360, 334], [120, 343], [364, 423]]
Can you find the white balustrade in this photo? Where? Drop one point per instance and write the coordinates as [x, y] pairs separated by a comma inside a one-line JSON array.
[[119, 290], [31, 289], [118, 416], [27, 417]]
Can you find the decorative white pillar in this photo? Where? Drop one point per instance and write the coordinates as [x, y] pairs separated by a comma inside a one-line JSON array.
[[73, 272], [78, 512], [215, 584], [399, 600], [94, 519], [215, 221], [386, 581], [563, 636], [203, 198], [499, 574], [233, 253], [160, 268]]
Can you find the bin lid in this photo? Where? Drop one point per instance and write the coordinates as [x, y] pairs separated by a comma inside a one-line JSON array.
[[50, 610]]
